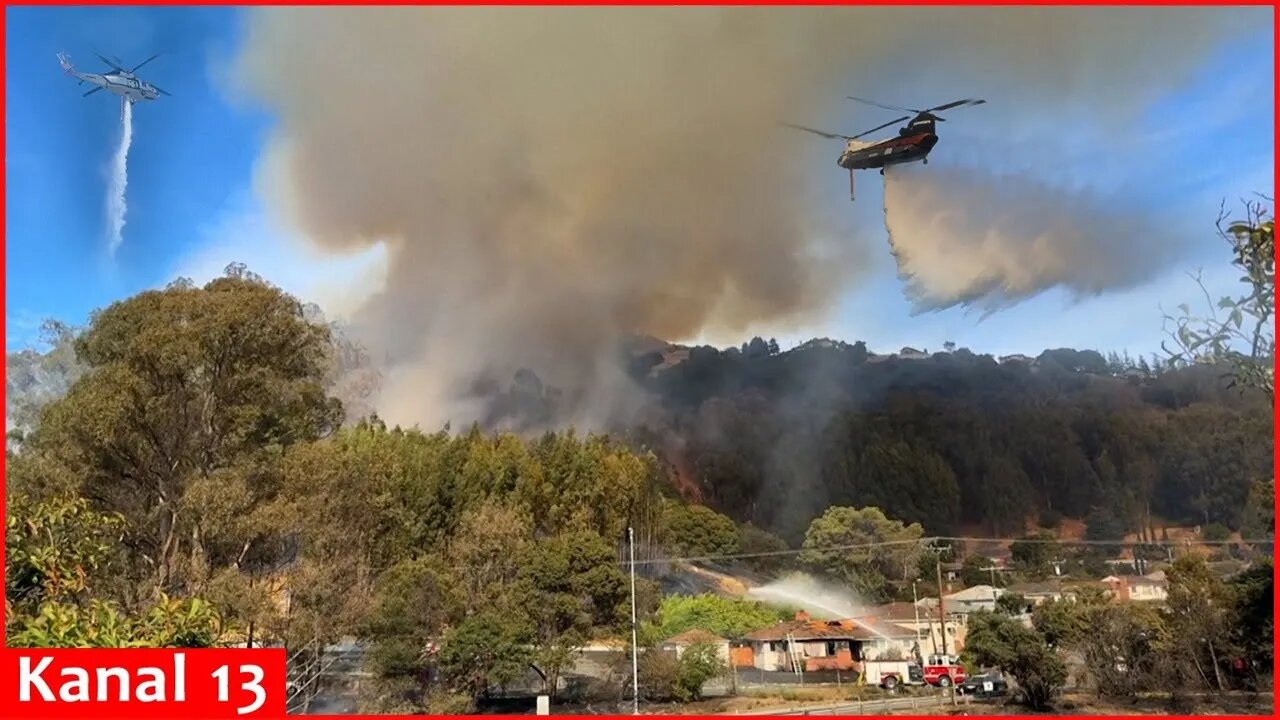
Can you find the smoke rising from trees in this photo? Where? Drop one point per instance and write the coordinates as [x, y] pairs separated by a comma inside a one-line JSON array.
[[547, 181]]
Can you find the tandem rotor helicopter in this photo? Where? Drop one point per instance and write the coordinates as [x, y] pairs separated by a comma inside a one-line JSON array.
[[914, 142], [118, 81]]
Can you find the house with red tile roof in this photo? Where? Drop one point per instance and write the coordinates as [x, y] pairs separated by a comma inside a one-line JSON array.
[[814, 645]]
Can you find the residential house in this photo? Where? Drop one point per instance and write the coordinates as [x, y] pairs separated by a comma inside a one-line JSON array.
[[978, 597], [923, 620], [828, 644], [1042, 592], [1136, 588], [678, 644]]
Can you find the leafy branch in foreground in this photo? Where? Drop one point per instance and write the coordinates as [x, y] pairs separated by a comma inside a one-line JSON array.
[[1236, 330]]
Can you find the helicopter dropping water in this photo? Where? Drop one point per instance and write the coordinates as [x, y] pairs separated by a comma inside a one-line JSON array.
[[131, 89], [118, 81], [915, 140]]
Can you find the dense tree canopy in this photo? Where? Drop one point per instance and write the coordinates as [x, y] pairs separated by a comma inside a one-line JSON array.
[[863, 549], [184, 463]]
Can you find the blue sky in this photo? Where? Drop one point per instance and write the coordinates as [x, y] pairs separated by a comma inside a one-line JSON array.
[[191, 207], [190, 154]]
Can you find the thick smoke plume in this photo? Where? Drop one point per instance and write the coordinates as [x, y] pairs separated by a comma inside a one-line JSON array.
[[549, 180], [119, 179], [967, 237]]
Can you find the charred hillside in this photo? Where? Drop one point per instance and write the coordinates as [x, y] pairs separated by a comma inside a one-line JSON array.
[[956, 439]]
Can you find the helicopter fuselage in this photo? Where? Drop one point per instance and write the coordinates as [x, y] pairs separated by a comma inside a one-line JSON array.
[[128, 87], [913, 147]]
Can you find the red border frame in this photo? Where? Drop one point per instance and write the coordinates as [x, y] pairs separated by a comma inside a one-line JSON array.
[[1275, 69]]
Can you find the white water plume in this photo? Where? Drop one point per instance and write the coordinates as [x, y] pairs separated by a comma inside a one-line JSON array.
[[811, 595], [119, 179], [822, 600]]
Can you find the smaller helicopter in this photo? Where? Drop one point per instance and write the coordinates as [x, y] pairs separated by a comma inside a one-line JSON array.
[[119, 81], [914, 142]]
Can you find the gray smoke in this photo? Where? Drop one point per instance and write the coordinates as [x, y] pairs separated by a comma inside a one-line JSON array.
[[548, 180]]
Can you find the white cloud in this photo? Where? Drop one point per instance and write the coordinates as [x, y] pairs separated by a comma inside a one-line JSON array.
[[245, 233]]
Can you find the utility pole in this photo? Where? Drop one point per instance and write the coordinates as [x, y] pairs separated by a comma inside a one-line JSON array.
[[635, 661], [942, 607], [915, 604]]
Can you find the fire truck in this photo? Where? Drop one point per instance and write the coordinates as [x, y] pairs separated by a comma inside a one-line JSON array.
[[938, 670]]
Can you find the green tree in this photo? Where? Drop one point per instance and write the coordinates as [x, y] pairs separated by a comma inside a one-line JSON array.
[[1033, 554], [485, 651], [975, 570], [999, 641], [1236, 330], [695, 530], [726, 617], [1012, 604], [567, 586], [863, 548], [1252, 620], [188, 385], [659, 672], [1259, 519], [1216, 532], [55, 548], [699, 663], [174, 623], [1103, 525], [1199, 619], [1125, 648], [1063, 623], [56, 551], [416, 601], [766, 546]]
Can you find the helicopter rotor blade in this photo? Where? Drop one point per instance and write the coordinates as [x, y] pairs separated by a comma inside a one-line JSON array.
[[883, 105], [144, 62], [114, 66], [881, 127], [832, 136], [955, 104], [161, 90]]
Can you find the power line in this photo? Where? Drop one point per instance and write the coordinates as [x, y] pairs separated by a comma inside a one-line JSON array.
[[1135, 543], [776, 553], [944, 538]]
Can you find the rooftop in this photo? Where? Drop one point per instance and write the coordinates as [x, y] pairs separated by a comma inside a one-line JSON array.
[[1038, 588], [898, 611], [862, 629], [977, 593]]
